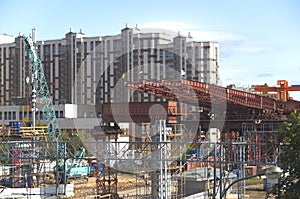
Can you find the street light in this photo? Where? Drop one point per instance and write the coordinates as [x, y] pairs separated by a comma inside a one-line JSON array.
[[269, 171]]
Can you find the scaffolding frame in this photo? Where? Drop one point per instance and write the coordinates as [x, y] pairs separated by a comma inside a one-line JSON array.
[[160, 158], [25, 164], [261, 137]]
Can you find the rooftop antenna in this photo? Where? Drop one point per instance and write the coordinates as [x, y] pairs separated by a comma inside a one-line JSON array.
[[33, 32]]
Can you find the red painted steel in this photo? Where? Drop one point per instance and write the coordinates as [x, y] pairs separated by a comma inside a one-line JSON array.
[[140, 112], [199, 93]]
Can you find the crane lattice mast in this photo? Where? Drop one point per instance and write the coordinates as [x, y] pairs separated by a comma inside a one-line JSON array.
[[42, 97]]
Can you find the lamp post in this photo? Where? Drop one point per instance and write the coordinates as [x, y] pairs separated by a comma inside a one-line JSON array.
[[272, 171]]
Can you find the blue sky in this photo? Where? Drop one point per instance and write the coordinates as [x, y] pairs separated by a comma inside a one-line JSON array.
[[259, 38]]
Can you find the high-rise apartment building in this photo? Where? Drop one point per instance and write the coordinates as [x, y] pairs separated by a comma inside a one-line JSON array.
[[92, 70]]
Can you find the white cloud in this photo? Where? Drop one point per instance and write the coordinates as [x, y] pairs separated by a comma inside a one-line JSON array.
[[264, 75], [251, 48], [231, 42], [200, 35], [196, 32], [171, 25]]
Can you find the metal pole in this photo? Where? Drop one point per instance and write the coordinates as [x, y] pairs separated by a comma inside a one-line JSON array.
[[221, 161], [215, 172], [57, 169], [238, 180], [33, 81], [208, 172], [160, 160], [65, 169]]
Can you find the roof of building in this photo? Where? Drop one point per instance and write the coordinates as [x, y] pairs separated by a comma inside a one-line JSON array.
[[6, 39]]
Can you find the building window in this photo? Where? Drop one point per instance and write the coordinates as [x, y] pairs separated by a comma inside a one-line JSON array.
[[85, 47], [61, 49], [47, 50], [92, 45], [39, 50], [53, 49], [0, 115]]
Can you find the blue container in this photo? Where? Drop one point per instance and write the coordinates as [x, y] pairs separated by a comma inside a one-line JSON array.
[[21, 124], [101, 167], [10, 124], [16, 124]]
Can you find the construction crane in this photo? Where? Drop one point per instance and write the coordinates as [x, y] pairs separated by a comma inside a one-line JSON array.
[[42, 99], [40, 92], [282, 89]]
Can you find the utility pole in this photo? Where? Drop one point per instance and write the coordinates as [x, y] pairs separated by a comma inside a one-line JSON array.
[[34, 82], [221, 173], [33, 102], [215, 172]]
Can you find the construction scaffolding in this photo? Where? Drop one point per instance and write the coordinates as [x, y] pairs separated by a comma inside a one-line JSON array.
[[166, 165], [26, 164], [261, 137], [155, 161]]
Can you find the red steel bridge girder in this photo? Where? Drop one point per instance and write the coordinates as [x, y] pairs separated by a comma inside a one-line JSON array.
[[201, 94]]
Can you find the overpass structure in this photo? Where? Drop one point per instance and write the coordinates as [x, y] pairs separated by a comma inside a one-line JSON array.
[[201, 106], [254, 117], [204, 95], [248, 123]]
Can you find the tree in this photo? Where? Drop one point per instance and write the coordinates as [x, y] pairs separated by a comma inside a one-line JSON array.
[[288, 144]]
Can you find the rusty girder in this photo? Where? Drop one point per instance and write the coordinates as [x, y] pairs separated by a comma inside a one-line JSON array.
[[201, 94]]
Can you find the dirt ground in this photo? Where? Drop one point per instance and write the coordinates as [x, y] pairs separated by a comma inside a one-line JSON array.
[[128, 182], [89, 188], [257, 192]]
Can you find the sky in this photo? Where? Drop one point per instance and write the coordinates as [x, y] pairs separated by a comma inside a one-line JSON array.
[[259, 39]]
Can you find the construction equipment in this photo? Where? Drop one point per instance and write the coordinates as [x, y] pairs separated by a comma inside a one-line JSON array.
[[282, 89], [41, 94], [79, 168], [42, 99]]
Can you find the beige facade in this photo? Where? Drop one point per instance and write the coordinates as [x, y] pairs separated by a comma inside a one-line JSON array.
[[92, 70]]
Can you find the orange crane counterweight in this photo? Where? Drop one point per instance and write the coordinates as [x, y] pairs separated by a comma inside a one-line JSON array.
[[282, 89]]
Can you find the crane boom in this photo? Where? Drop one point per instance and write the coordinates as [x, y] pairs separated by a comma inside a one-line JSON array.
[[43, 97], [281, 89]]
